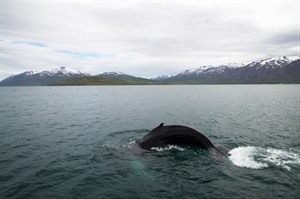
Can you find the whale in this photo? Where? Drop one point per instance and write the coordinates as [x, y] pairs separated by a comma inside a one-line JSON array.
[[162, 136]]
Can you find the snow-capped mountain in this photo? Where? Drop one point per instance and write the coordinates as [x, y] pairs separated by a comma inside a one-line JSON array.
[[24, 74], [33, 78], [212, 69], [272, 70], [62, 71], [275, 62]]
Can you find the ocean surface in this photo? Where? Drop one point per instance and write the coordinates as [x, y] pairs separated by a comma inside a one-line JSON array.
[[80, 142]]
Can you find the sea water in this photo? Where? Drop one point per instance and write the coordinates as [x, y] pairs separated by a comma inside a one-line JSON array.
[[80, 142]]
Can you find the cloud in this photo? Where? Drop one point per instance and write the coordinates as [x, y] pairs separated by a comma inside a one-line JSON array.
[[82, 55], [39, 44], [144, 38], [291, 37]]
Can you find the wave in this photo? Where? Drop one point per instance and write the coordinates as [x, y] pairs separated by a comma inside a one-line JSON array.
[[260, 158], [168, 148]]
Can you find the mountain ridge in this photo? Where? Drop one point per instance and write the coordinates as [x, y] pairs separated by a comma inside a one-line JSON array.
[[44, 78], [272, 70]]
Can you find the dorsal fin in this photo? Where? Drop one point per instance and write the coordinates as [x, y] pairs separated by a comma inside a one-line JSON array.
[[162, 124]]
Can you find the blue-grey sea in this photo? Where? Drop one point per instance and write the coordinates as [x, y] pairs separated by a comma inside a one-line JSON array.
[[80, 142]]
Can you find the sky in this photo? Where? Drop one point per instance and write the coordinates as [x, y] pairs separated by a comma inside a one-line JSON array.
[[144, 38]]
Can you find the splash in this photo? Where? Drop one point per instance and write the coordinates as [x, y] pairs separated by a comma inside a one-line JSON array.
[[168, 148], [245, 157], [260, 158]]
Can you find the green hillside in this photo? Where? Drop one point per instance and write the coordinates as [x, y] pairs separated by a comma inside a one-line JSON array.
[[85, 81]]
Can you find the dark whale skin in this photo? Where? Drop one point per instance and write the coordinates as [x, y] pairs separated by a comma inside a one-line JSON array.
[[174, 135]]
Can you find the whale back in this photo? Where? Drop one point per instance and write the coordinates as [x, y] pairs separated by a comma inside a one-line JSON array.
[[174, 135]]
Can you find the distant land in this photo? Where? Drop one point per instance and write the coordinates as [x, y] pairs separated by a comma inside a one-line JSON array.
[[276, 70], [94, 80]]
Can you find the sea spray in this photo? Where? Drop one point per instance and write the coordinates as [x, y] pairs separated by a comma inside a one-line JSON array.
[[260, 158]]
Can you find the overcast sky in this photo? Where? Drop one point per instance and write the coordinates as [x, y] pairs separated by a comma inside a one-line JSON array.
[[143, 38]]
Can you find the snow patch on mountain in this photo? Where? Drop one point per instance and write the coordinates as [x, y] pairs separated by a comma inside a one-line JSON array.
[[199, 70], [61, 71], [159, 77], [25, 74], [233, 65], [65, 70], [28, 73], [113, 73]]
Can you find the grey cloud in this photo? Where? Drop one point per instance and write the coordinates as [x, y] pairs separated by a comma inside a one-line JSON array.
[[286, 38]]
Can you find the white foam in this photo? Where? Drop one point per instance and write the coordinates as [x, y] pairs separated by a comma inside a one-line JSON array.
[[132, 142], [260, 158], [244, 157], [282, 158], [167, 148]]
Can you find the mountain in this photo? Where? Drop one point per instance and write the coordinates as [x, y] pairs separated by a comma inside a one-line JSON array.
[[122, 76], [107, 78], [95, 80], [274, 70], [32, 78]]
